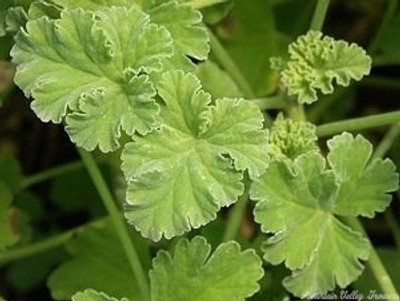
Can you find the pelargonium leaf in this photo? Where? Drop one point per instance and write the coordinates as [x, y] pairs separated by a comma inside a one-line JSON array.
[[190, 274], [300, 203], [181, 19], [375, 178], [317, 62], [92, 295], [184, 24], [181, 175], [94, 4], [103, 52]]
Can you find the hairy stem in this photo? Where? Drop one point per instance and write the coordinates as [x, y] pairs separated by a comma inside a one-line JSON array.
[[118, 222], [267, 103], [44, 245], [358, 124], [376, 265], [319, 15]]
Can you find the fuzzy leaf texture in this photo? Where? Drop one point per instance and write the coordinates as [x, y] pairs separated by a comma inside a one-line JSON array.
[[191, 274], [189, 37], [299, 203], [316, 62], [92, 295], [181, 175], [91, 67]]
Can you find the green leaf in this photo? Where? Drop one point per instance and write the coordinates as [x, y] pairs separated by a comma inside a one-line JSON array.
[[216, 81], [317, 62], [95, 5], [180, 176], [8, 236], [92, 295], [190, 38], [297, 202], [229, 274], [103, 52], [99, 262], [376, 178]]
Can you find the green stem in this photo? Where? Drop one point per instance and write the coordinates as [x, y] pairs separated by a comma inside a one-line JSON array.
[[393, 225], [230, 66], [319, 15], [119, 223], [357, 124], [50, 173], [267, 103], [315, 112], [387, 15], [376, 264], [386, 143], [236, 216], [44, 245]]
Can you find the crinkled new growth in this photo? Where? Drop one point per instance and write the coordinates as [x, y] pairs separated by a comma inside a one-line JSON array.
[[316, 62], [193, 274], [180, 176], [299, 203], [91, 67], [289, 138]]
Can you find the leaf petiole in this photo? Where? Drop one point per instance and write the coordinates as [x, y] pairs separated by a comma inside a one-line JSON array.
[[358, 124], [118, 222], [376, 264]]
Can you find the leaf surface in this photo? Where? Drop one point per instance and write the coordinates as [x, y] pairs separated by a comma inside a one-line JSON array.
[[317, 62], [103, 53], [299, 203], [191, 274], [180, 176]]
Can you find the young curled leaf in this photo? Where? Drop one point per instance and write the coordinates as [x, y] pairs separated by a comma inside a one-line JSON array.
[[181, 175], [316, 62]]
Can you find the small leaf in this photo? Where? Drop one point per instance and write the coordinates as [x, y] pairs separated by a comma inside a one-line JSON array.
[[289, 138], [103, 52], [297, 202], [363, 189], [180, 176], [184, 23], [317, 61], [229, 274], [92, 295]]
